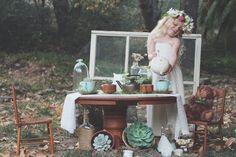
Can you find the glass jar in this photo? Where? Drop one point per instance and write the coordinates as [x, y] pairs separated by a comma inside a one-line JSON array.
[[86, 131], [134, 69], [167, 131], [80, 73], [145, 71]]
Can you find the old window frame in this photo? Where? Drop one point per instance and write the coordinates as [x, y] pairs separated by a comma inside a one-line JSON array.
[[128, 35]]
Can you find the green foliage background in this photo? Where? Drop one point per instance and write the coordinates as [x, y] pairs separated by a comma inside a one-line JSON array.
[[26, 26]]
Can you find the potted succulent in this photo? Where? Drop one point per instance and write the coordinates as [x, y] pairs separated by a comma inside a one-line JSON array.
[[102, 141], [108, 87], [200, 106], [145, 84], [138, 135]]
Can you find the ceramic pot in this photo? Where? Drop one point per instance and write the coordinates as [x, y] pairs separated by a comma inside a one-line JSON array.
[[146, 88], [102, 140], [108, 88], [162, 85], [87, 86]]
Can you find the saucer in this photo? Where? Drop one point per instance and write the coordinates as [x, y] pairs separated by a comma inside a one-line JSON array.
[[87, 93], [162, 92]]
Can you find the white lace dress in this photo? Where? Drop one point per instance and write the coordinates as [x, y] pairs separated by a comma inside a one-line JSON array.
[[166, 115]]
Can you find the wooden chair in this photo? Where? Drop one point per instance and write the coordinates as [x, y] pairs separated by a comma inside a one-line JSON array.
[[218, 107], [21, 122]]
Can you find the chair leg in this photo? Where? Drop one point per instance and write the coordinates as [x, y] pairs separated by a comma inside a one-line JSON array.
[[220, 132], [51, 140], [18, 140], [194, 135], [205, 147]]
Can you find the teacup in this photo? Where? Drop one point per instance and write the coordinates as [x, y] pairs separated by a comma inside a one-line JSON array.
[[178, 152], [87, 86], [162, 85]]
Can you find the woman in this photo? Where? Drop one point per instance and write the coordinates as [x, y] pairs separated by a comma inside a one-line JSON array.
[[164, 41]]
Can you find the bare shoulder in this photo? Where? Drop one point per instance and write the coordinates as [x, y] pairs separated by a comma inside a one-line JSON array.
[[176, 41]]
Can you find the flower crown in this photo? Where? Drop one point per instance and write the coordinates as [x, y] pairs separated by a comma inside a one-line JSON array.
[[183, 17]]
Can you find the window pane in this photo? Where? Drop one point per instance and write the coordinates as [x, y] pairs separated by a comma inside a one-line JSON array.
[[138, 45], [187, 59], [110, 56]]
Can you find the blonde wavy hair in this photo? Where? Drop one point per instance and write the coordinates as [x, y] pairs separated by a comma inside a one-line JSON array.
[[160, 30]]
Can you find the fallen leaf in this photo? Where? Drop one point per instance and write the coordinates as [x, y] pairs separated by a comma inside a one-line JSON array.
[[4, 155], [230, 141], [3, 139], [23, 152], [200, 152], [71, 147], [44, 148]]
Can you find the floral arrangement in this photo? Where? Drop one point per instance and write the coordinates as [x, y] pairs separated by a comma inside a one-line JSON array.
[[182, 16], [137, 57], [200, 105], [102, 142], [139, 135]]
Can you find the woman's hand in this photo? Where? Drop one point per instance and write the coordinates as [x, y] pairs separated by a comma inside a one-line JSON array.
[[168, 71]]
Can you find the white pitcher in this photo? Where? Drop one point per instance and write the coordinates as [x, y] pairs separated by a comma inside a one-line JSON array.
[[159, 65]]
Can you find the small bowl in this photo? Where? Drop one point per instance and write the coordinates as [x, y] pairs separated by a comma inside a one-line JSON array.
[[108, 88], [128, 153], [178, 152]]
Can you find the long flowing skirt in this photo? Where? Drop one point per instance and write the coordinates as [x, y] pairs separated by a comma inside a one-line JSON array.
[[165, 115]]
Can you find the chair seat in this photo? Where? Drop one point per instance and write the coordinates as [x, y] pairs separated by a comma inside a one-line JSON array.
[[202, 131], [35, 120]]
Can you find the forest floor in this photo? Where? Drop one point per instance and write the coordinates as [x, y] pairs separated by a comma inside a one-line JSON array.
[[41, 91]]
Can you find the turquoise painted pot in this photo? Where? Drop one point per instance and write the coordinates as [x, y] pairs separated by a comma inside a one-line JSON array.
[[87, 86], [162, 85]]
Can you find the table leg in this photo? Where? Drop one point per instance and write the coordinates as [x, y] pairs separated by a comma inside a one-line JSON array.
[[114, 121]]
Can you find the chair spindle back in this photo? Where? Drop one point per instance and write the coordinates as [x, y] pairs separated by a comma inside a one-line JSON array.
[[15, 108]]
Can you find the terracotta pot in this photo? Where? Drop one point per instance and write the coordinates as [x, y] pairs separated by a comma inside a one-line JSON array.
[[207, 115], [108, 88], [106, 133], [146, 88]]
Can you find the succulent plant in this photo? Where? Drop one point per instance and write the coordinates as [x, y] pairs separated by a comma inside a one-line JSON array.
[[102, 142], [201, 100], [139, 135], [144, 80]]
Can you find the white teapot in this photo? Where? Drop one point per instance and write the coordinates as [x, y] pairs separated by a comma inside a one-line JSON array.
[[159, 65]]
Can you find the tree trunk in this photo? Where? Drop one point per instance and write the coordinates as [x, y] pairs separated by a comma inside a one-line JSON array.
[[150, 12], [61, 9], [191, 8]]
